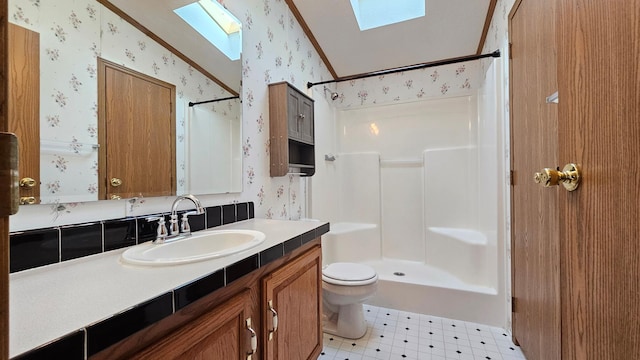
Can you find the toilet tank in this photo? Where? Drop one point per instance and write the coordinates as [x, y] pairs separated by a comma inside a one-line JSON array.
[[351, 242]]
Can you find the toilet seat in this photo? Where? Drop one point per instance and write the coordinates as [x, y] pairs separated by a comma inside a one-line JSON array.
[[349, 274]]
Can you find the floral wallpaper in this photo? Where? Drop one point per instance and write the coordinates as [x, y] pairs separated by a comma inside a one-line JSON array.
[[73, 33], [415, 85]]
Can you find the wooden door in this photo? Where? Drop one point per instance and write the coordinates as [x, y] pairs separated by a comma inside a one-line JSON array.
[[24, 107], [219, 334], [535, 245], [295, 293], [5, 197], [599, 127], [136, 127]]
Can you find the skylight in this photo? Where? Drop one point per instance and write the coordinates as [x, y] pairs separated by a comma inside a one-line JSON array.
[[216, 24], [375, 13]]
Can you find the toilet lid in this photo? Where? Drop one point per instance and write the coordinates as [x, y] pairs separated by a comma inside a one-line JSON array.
[[346, 272]]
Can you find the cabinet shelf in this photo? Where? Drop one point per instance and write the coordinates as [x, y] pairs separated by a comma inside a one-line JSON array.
[[291, 131]]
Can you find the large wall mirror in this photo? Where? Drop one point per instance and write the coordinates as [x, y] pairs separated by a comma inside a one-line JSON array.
[[71, 36]]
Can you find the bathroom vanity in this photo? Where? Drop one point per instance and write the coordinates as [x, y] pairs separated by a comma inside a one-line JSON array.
[[262, 303]]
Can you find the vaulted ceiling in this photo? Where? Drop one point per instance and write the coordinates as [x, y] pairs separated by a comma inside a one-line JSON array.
[[450, 28]]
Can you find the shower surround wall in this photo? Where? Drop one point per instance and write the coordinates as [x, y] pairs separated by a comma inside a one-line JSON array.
[[412, 145]]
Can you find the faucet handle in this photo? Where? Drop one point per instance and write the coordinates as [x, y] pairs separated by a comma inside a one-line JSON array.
[[184, 224], [161, 233], [173, 224]]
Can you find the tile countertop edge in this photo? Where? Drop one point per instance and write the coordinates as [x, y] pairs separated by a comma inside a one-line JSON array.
[[65, 298]]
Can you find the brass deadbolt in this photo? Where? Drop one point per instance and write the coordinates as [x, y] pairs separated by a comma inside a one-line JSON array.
[[115, 182]]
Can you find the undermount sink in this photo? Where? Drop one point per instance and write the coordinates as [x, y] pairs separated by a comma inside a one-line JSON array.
[[199, 246]]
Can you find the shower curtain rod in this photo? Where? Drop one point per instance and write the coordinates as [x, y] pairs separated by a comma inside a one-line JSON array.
[[494, 54], [214, 100]]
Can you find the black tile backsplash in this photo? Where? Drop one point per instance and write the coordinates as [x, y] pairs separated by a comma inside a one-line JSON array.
[[81, 240], [107, 332], [103, 334], [252, 211], [34, 248], [147, 228], [242, 212], [193, 291], [69, 347], [214, 216], [196, 222], [39, 247], [228, 214], [119, 233]]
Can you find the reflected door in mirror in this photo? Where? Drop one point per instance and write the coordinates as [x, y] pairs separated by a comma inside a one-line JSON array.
[[137, 134], [24, 107]]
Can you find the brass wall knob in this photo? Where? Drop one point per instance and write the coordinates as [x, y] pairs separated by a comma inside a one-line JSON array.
[[27, 200], [115, 182], [27, 182], [570, 177]]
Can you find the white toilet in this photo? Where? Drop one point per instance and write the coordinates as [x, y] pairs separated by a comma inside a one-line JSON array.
[[345, 286]]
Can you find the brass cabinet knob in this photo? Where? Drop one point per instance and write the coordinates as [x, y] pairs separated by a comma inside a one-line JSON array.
[[27, 200], [115, 182], [115, 197], [27, 182], [569, 177]]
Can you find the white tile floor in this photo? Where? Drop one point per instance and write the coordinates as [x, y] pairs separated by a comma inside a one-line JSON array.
[[394, 334]]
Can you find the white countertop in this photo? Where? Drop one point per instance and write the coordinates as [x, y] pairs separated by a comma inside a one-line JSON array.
[[49, 302]]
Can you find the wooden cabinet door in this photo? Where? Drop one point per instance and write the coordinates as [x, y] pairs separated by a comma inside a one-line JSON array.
[[219, 334], [137, 134], [24, 106], [306, 121], [295, 292], [293, 113]]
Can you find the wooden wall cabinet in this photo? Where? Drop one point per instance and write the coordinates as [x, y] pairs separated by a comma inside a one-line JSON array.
[[283, 300], [291, 130]]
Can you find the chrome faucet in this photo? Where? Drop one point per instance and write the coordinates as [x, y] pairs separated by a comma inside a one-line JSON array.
[[184, 226], [173, 233]]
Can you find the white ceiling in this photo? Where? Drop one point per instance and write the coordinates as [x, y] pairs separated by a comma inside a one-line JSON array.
[[450, 28]]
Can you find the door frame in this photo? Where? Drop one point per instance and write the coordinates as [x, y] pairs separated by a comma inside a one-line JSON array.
[[4, 218]]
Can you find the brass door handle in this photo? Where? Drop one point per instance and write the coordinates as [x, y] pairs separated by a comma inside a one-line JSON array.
[[115, 197], [570, 177], [27, 182], [27, 200], [115, 182]]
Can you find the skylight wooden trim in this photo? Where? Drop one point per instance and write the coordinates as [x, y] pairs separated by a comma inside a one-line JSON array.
[[312, 38], [166, 45], [487, 23]]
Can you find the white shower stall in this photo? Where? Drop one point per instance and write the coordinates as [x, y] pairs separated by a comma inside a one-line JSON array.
[[418, 199]]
